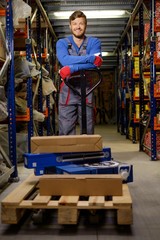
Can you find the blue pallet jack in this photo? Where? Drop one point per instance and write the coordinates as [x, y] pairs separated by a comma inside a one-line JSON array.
[[100, 162]]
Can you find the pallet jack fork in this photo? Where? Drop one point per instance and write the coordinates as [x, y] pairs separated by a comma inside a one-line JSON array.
[[40, 162], [100, 162]]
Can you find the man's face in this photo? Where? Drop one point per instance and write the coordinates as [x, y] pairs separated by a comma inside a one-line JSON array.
[[78, 27]]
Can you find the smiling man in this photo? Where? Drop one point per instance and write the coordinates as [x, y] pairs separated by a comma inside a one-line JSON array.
[[76, 52]]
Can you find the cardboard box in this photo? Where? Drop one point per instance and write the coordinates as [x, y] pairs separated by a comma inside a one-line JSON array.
[[71, 143], [81, 185]]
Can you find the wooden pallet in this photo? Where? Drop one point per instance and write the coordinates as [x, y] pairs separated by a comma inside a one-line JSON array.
[[26, 196]]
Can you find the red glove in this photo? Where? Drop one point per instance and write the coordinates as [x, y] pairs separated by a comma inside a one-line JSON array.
[[65, 72], [98, 61]]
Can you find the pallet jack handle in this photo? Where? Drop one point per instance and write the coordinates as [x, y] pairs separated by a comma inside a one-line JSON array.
[[83, 93]]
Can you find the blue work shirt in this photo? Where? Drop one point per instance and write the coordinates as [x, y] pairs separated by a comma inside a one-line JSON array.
[[77, 63]]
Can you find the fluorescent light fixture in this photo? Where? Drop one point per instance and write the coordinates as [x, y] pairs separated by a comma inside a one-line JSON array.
[[91, 14]]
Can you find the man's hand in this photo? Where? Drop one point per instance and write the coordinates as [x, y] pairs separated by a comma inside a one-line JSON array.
[[98, 61], [65, 72]]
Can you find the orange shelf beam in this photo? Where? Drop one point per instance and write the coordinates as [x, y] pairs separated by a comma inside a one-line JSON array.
[[46, 113], [156, 125], [25, 117], [2, 12]]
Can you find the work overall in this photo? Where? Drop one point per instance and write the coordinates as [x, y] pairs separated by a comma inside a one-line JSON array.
[[70, 102]]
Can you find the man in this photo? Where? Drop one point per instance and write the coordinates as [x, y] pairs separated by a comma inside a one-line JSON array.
[[75, 53]]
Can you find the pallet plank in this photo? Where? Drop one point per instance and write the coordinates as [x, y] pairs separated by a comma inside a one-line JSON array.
[[41, 200], [125, 199], [96, 201], [68, 200], [11, 215], [124, 216], [21, 192], [68, 215]]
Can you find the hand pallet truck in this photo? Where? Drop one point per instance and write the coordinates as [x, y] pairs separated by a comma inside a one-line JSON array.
[[100, 162]]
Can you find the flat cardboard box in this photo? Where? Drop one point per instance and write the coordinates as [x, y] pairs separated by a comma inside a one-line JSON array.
[[81, 185], [64, 144]]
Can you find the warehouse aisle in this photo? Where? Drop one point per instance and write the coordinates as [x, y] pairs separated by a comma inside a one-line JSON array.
[[144, 190]]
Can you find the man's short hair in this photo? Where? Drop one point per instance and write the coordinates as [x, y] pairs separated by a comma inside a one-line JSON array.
[[77, 14]]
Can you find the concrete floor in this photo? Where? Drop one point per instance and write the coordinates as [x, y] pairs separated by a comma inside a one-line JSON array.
[[145, 192]]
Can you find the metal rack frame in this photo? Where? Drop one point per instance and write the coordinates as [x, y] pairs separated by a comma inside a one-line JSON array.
[[11, 92], [12, 162], [153, 81]]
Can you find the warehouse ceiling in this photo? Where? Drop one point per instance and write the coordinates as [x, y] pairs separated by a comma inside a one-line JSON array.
[[109, 30]]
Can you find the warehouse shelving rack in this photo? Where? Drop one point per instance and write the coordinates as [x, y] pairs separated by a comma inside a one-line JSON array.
[[48, 111], [29, 83], [151, 125], [137, 101], [153, 82], [39, 58], [125, 87], [153, 99], [134, 121], [12, 160], [144, 73], [123, 109], [141, 83], [120, 99], [9, 162], [127, 118], [44, 59], [11, 92]]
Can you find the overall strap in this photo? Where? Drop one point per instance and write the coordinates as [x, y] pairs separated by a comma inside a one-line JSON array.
[[72, 51]]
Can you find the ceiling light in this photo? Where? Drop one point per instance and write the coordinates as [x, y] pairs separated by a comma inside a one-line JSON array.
[[91, 14]]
